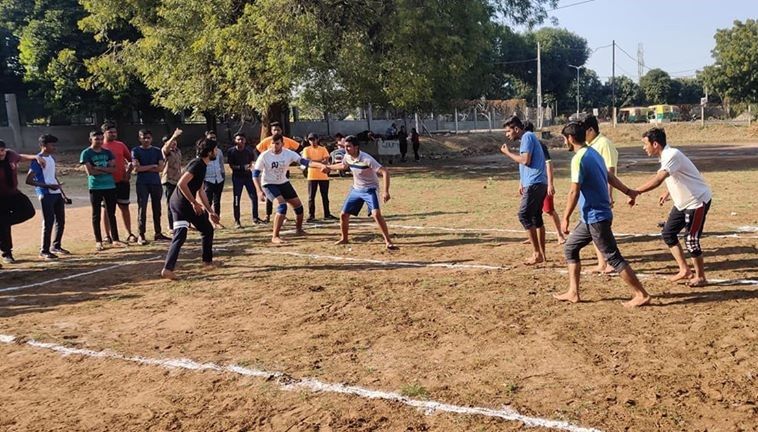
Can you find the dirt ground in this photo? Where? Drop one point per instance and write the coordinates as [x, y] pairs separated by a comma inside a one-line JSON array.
[[388, 321]]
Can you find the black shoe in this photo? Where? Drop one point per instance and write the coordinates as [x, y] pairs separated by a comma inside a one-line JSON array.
[[59, 251], [311, 219], [47, 256], [131, 239], [161, 237], [258, 221], [237, 225], [331, 217]]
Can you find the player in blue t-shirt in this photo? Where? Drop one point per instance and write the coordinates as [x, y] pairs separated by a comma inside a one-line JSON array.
[[589, 189], [533, 183]]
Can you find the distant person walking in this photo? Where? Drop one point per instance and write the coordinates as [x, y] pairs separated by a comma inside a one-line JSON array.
[[416, 144], [318, 178], [402, 138], [241, 158]]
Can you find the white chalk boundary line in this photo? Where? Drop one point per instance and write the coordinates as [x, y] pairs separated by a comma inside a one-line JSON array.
[[77, 275], [378, 262], [737, 234], [287, 383]]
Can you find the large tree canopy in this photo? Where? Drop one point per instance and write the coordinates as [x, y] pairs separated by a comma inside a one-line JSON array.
[[735, 72]]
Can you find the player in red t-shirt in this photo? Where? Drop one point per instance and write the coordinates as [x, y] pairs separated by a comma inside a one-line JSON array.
[[122, 176]]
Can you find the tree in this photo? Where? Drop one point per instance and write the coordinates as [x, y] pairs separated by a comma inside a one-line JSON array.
[[628, 92], [734, 74], [656, 86], [687, 90]]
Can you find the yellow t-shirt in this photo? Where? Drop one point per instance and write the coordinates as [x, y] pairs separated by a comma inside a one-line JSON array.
[[317, 154], [265, 143], [607, 150]]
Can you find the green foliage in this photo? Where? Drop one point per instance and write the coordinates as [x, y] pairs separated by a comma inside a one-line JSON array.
[[734, 74], [628, 93], [656, 86]]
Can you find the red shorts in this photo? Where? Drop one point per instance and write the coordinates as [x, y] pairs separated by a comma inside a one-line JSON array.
[[548, 205]]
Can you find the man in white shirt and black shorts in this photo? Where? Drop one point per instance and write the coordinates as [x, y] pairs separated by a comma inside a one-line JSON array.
[[692, 200]]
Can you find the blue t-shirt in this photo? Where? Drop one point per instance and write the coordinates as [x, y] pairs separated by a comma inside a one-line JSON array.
[[101, 181], [589, 171], [148, 156], [533, 173], [39, 175]]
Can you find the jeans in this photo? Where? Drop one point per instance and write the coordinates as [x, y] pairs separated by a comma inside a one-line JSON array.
[[168, 189], [53, 212], [246, 183], [96, 197], [323, 186], [153, 192], [214, 190]]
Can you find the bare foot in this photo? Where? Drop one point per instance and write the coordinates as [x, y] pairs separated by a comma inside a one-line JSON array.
[[536, 259], [681, 275], [637, 301], [607, 269], [277, 240], [168, 274], [341, 242], [697, 282], [568, 296], [208, 266], [561, 240], [527, 241]]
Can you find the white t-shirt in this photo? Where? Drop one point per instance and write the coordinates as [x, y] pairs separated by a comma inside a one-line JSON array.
[[364, 168], [274, 166], [48, 172], [685, 183]]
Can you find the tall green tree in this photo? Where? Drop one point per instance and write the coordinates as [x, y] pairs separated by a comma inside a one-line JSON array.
[[734, 74], [656, 86], [628, 92]]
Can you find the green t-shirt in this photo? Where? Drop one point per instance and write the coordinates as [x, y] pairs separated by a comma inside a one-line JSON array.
[[98, 159]]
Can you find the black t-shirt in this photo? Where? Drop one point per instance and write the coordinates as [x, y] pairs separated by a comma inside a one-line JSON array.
[[239, 158], [197, 168], [544, 150]]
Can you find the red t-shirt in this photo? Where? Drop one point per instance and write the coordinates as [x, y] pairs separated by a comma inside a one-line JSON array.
[[121, 154], [11, 160]]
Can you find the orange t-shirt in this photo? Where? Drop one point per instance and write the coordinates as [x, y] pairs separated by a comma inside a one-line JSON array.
[[265, 143], [121, 154], [317, 154]]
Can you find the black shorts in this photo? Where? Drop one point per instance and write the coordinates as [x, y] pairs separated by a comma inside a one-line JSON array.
[[285, 190], [123, 190], [530, 210]]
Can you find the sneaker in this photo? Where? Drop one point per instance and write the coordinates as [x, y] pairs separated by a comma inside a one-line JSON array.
[[331, 217], [258, 221], [47, 256], [141, 241], [237, 225], [131, 239], [99, 246], [311, 219], [60, 251], [161, 237], [8, 259], [108, 240]]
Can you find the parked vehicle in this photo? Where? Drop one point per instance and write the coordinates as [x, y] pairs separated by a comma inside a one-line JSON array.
[[663, 113]]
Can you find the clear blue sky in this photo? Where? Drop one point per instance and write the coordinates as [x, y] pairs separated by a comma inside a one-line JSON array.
[[677, 35]]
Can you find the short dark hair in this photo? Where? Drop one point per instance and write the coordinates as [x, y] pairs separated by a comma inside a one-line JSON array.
[[656, 135], [209, 132], [528, 126], [205, 147], [338, 135], [352, 140], [590, 122], [277, 137], [2, 144], [240, 134], [47, 138], [93, 133], [144, 132], [107, 126], [275, 123], [514, 121], [576, 130]]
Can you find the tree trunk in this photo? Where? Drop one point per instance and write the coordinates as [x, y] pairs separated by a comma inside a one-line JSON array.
[[275, 112], [211, 121]]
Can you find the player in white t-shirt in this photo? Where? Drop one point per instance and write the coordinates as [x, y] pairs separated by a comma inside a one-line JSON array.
[[270, 178], [692, 200], [364, 190]]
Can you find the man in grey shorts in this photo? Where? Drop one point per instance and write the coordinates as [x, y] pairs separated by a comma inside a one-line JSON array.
[[589, 192]]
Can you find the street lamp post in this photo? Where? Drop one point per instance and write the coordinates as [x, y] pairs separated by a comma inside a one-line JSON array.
[[577, 89]]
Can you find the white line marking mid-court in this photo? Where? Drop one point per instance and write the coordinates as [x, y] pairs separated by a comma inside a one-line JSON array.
[[287, 383], [379, 262], [77, 275]]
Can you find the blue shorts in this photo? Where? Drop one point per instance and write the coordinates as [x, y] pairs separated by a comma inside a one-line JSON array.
[[357, 197], [285, 190]]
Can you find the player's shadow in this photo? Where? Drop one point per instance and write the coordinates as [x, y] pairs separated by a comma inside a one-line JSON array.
[[749, 264], [707, 295]]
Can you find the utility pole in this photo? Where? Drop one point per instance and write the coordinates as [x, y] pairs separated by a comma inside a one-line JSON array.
[[613, 85], [539, 88], [577, 89], [640, 62]]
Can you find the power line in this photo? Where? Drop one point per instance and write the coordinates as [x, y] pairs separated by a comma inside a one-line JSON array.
[[570, 5]]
